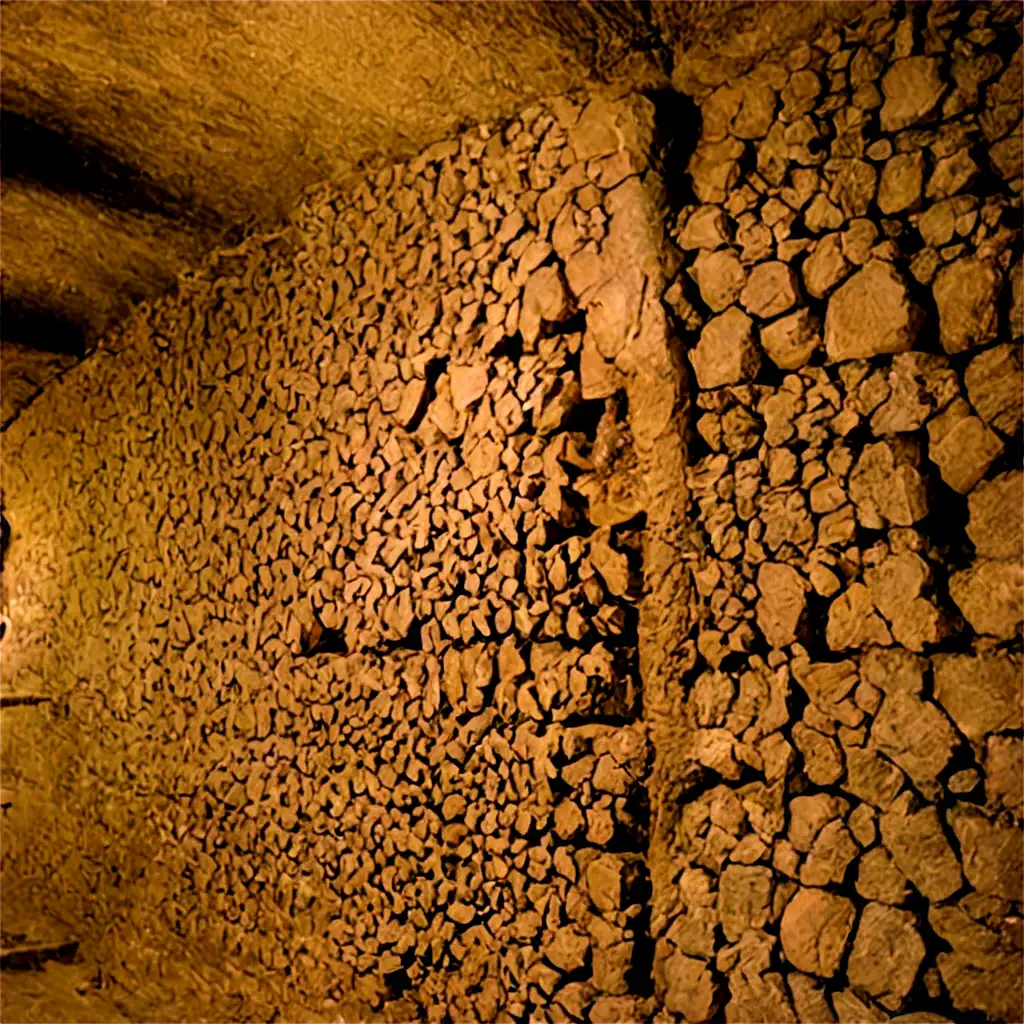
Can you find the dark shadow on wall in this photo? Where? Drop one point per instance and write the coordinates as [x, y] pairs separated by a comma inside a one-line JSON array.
[[26, 323], [65, 163]]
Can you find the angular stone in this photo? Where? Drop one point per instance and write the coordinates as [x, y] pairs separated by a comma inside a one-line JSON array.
[[823, 763], [791, 340], [688, 986], [720, 277], [567, 949], [871, 314], [809, 999], [886, 486], [825, 267], [744, 899], [967, 296], [992, 854], [952, 174], [814, 930], [756, 110], [894, 671], [900, 187], [919, 383], [871, 777], [468, 384], [920, 850], [727, 352], [782, 603], [916, 735], [413, 402], [826, 683], [879, 879], [895, 586], [989, 596], [912, 88], [853, 621], [832, 852], [1004, 773], [853, 188], [962, 446], [809, 815], [605, 881], [706, 228], [982, 693], [887, 952], [994, 385], [771, 289]]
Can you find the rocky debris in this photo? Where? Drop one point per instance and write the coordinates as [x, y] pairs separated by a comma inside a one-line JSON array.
[[792, 340], [871, 314], [991, 853], [887, 952], [900, 186], [962, 446], [782, 602], [981, 693], [966, 293], [744, 899], [814, 930], [720, 276], [994, 385], [916, 735], [879, 879], [727, 352], [771, 289], [821, 511], [989, 596], [688, 985], [886, 485], [982, 970], [913, 88], [919, 848]]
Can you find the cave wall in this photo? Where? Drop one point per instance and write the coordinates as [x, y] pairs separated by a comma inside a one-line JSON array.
[[330, 565], [846, 841]]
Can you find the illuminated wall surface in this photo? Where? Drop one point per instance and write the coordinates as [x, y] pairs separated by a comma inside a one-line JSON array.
[[557, 580]]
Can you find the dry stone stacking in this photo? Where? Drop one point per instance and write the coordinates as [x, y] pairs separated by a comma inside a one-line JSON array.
[[853, 695], [332, 561], [512, 592]]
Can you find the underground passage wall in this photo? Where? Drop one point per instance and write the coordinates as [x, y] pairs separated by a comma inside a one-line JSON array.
[[330, 564], [573, 575]]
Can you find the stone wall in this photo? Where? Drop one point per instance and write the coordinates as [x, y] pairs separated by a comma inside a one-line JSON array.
[[419, 644], [330, 566], [847, 841]]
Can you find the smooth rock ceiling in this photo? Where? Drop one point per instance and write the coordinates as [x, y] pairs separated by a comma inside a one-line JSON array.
[[137, 136]]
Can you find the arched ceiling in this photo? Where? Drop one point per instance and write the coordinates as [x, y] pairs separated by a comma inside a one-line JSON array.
[[137, 135]]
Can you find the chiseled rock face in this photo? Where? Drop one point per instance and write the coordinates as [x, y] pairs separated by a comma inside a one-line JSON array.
[[871, 314]]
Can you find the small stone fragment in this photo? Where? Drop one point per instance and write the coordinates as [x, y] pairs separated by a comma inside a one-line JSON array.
[[720, 277], [871, 314], [920, 850], [887, 952], [916, 736], [815, 927], [727, 352], [992, 853], [913, 88], [782, 602], [900, 187], [989, 596], [879, 879], [982, 693], [967, 293], [771, 289], [886, 486], [791, 340], [468, 383], [994, 385]]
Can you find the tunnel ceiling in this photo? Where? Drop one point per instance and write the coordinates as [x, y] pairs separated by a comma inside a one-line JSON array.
[[136, 136]]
